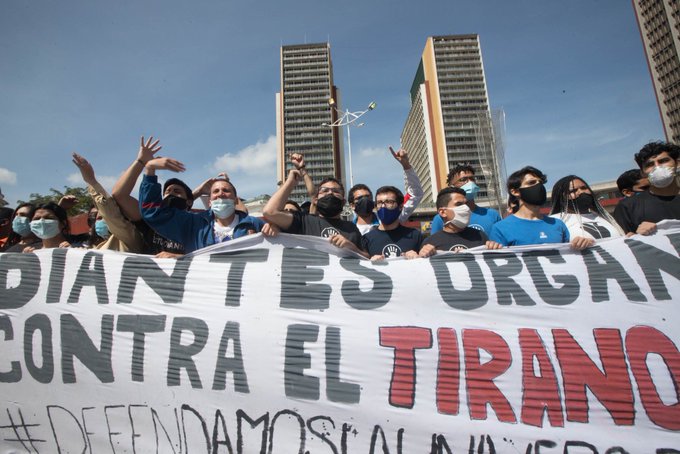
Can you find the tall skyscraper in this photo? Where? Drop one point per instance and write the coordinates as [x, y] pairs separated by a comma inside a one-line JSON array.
[[659, 23], [450, 121], [302, 111]]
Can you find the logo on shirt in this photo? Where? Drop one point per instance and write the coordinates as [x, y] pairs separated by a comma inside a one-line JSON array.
[[329, 232], [476, 227], [543, 236], [391, 250], [458, 248]]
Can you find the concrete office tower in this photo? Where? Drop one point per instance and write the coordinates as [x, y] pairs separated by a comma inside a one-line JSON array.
[[450, 121], [302, 109], [659, 21]]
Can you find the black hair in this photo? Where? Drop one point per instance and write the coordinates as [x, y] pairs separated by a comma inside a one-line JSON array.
[[444, 196], [14, 237], [356, 187], [330, 179], [561, 203], [654, 148], [226, 180], [458, 169], [304, 207], [515, 181], [392, 189], [294, 203], [628, 179]]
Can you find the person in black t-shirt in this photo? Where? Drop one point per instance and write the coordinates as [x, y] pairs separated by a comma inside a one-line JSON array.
[[330, 199], [658, 162], [391, 239], [456, 235]]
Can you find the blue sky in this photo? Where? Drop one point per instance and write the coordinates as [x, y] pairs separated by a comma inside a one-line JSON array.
[[92, 76]]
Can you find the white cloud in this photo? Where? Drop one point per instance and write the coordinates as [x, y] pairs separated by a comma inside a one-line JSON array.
[[7, 176], [75, 178], [373, 152], [258, 159]]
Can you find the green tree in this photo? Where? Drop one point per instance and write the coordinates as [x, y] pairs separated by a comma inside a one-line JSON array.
[[83, 199]]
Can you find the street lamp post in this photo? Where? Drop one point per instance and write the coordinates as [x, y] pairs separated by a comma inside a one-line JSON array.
[[348, 119]]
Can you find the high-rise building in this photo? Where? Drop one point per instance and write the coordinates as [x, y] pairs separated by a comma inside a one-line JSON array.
[[303, 113], [450, 121], [659, 23]]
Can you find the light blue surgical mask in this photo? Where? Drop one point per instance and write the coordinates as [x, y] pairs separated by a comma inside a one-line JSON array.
[[45, 228], [21, 226], [223, 208], [471, 189], [102, 228]]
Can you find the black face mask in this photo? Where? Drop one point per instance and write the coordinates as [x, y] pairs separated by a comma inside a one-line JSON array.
[[533, 195], [329, 206], [584, 203], [363, 205], [173, 201]]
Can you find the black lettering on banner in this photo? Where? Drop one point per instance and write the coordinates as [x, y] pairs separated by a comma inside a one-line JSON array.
[[28, 266], [507, 289], [652, 261], [204, 426], [296, 275], [374, 439], [441, 446], [238, 260], [575, 444], [301, 425], [76, 343], [181, 355], [110, 431], [234, 364], [55, 420], [337, 390], [56, 281], [87, 433], [134, 434], [139, 325], [297, 384], [542, 444], [376, 297], [343, 439], [14, 374], [618, 450], [157, 422], [674, 238], [667, 451], [474, 298], [39, 322], [169, 288], [322, 434], [557, 296], [91, 277], [599, 273], [264, 420], [225, 441]]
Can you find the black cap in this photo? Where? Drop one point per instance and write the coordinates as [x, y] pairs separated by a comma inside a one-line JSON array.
[[177, 181]]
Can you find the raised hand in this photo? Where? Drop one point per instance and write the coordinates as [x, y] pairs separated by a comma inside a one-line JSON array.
[[86, 170], [147, 149], [402, 156], [297, 160], [68, 201], [163, 163]]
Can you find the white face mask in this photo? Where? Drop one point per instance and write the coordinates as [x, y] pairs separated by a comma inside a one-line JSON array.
[[461, 216], [223, 208], [661, 176]]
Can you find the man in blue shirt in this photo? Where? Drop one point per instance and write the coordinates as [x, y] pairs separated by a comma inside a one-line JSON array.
[[481, 218]]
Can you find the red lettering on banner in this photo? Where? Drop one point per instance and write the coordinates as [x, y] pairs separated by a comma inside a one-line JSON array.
[[611, 387], [640, 342], [479, 377], [405, 340], [448, 372], [540, 391]]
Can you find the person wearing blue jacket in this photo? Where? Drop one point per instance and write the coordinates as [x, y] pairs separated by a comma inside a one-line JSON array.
[[195, 230]]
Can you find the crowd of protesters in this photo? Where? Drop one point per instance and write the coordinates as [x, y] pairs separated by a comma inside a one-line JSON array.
[[164, 220]]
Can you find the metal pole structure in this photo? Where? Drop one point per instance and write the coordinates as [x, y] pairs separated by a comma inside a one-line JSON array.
[[348, 119]]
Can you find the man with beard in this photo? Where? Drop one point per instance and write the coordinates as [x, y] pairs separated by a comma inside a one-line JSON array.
[[330, 199], [658, 162], [527, 225]]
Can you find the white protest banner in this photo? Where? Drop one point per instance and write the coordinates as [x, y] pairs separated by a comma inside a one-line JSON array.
[[283, 346]]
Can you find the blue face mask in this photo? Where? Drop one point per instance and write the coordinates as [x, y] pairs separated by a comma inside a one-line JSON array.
[[388, 215], [102, 229], [471, 189], [45, 228], [222, 208], [21, 226]]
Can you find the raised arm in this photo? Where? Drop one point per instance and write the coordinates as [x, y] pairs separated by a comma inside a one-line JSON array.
[[413, 190], [273, 210]]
